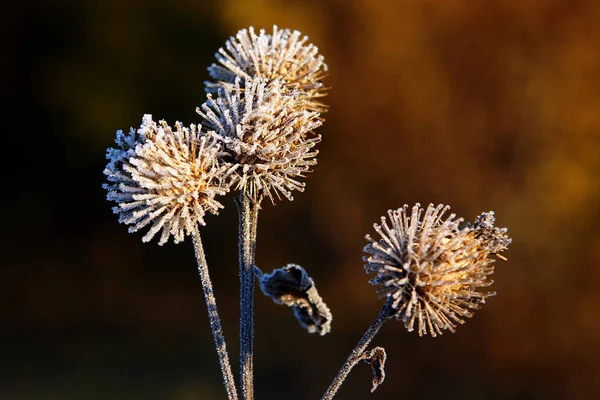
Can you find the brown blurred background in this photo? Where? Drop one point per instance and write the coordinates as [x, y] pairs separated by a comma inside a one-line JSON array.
[[483, 105]]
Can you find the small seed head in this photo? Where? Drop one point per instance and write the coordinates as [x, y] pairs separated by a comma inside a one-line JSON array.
[[264, 135], [433, 272], [167, 179], [282, 56]]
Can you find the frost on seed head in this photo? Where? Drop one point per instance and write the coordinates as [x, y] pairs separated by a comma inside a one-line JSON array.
[[264, 135], [433, 272], [165, 179], [495, 239], [282, 56]]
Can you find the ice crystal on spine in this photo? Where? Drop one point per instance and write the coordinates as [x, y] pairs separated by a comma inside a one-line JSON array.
[[432, 270], [164, 178], [282, 56], [265, 135]]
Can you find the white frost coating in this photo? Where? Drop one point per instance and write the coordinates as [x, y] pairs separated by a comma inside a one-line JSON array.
[[283, 56], [431, 270], [265, 135], [165, 179]]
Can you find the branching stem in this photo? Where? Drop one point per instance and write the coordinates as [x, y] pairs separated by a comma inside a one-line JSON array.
[[213, 316], [355, 356]]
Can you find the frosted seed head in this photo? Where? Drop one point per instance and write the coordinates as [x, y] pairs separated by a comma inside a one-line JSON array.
[[495, 239], [165, 179], [263, 133], [433, 272], [283, 56]]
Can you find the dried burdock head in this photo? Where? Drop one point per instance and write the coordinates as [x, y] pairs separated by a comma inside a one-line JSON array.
[[292, 286], [265, 135], [495, 239], [433, 272], [282, 56], [164, 178]]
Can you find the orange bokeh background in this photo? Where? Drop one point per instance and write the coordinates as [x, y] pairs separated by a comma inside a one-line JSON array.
[[482, 105]]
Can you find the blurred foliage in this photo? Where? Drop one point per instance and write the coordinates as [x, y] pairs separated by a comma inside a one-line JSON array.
[[483, 105]]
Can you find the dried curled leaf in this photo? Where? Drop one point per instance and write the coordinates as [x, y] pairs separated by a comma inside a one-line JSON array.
[[376, 358], [292, 286]]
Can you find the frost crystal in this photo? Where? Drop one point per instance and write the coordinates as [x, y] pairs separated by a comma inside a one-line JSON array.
[[282, 56], [430, 269], [163, 178], [265, 135]]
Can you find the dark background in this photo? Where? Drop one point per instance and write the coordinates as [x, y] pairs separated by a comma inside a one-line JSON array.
[[483, 105]]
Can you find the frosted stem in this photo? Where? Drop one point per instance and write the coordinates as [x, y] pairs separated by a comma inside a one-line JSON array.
[[355, 356], [248, 215], [213, 316]]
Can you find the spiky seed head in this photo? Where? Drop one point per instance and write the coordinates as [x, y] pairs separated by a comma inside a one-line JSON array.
[[284, 56], [433, 272], [167, 179], [496, 240], [263, 134]]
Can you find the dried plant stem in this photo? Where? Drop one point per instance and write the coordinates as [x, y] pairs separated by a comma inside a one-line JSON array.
[[213, 316], [360, 348], [248, 215]]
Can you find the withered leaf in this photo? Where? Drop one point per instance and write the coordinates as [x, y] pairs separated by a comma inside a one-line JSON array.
[[292, 287], [376, 358]]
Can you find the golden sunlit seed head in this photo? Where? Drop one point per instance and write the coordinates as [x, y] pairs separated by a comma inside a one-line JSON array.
[[264, 135], [282, 56], [167, 179], [433, 272]]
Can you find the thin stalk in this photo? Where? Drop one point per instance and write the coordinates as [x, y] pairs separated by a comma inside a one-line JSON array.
[[213, 316], [248, 215], [355, 355]]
